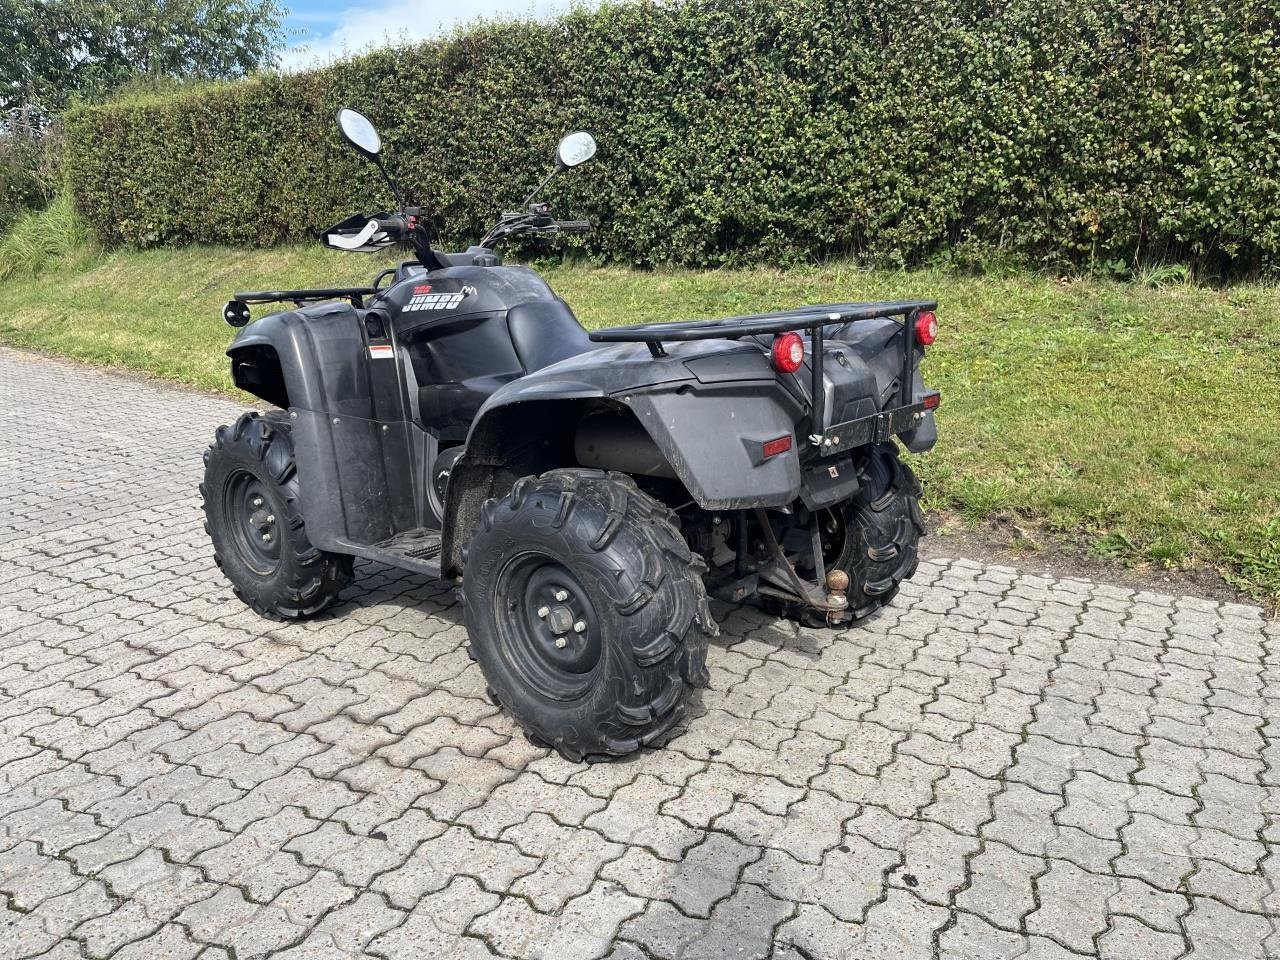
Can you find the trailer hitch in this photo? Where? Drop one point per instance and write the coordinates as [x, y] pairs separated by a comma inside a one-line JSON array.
[[779, 578]]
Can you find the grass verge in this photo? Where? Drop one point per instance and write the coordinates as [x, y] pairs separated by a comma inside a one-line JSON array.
[[1137, 420]]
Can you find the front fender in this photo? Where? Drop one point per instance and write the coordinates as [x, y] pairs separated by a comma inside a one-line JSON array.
[[320, 355]]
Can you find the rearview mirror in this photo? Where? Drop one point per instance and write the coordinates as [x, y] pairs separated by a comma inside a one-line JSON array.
[[359, 132], [575, 148]]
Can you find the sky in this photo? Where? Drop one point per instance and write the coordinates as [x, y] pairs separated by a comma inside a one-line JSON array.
[[320, 30]]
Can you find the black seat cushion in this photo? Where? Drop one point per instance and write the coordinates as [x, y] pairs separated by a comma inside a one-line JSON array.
[[544, 332]]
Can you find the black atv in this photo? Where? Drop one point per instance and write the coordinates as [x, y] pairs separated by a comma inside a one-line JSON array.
[[587, 491]]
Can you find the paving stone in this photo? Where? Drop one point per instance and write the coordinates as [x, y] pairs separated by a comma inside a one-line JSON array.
[[901, 926], [170, 942], [741, 926], [1155, 908], [315, 898], [350, 928], [570, 860], [583, 930], [455, 852], [60, 915], [850, 879], [1002, 885], [262, 935], [973, 938], [662, 930], [206, 919], [1073, 905], [933, 864], [43, 879], [1218, 931], [356, 859], [1128, 939]]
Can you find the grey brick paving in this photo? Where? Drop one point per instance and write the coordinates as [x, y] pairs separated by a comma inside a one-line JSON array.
[[1000, 765]]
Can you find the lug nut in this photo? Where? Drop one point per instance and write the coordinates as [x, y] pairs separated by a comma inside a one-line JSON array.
[[271, 518], [560, 643], [257, 501], [562, 595], [542, 612], [580, 627], [266, 537]]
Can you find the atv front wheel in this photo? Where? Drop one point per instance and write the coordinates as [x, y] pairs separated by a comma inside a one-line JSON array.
[[253, 516], [587, 612]]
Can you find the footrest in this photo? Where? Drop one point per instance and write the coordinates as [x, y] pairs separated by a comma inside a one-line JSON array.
[[417, 550]]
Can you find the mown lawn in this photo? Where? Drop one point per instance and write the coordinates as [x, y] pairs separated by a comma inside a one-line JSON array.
[[1139, 421]]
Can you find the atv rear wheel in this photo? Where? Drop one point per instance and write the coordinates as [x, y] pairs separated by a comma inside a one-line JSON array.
[[587, 612], [882, 531], [874, 537], [253, 516]]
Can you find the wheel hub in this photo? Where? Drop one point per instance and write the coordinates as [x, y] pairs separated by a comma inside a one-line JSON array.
[[253, 522], [560, 619], [262, 521], [552, 634]]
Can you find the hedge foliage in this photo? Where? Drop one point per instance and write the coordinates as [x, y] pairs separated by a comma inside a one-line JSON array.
[[1087, 132]]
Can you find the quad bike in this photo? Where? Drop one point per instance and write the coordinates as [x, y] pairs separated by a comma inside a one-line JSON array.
[[586, 491]]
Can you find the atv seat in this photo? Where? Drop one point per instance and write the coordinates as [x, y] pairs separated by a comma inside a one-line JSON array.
[[544, 332]]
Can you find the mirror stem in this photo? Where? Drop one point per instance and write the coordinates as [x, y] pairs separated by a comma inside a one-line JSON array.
[[538, 189], [395, 191]]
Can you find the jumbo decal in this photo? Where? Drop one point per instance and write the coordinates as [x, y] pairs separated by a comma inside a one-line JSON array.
[[424, 299]]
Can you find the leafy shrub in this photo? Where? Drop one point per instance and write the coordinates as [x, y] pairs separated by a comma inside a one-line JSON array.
[[19, 184], [1057, 132]]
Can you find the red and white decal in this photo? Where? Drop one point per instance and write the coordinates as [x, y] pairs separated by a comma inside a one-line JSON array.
[[424, 299], [381, 351]]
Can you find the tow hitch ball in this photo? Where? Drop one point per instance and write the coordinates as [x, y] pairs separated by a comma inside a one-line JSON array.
[[837, 585]]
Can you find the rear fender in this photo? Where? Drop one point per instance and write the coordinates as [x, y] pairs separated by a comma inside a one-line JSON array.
[[709, 431]]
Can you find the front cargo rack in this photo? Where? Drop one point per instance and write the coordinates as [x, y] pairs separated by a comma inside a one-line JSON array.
[[812, 318]]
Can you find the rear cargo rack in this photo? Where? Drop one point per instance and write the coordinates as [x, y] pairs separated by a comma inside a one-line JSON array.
[[813, 319]]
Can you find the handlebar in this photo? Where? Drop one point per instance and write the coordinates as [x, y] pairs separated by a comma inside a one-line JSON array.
[[535, 221], [357, 233]]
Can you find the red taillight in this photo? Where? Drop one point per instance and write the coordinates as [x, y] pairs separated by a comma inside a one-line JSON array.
[[926, 328], [771, 448], [932, 401], [788, 354]]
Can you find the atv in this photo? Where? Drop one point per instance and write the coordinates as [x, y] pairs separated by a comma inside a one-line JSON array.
[[586, 491]]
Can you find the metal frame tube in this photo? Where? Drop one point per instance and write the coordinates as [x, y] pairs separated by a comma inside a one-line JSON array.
[[818, 387]]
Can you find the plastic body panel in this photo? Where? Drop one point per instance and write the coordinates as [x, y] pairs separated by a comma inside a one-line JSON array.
[[367, 429], [699, 404]]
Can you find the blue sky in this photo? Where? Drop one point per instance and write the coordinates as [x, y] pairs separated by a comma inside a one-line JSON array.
[[320, 30]]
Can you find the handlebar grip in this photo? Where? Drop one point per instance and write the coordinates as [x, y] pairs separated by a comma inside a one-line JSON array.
[[574, 226], [393, 226]]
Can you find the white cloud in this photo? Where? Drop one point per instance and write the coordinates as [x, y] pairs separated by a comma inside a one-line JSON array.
[[400, 21]]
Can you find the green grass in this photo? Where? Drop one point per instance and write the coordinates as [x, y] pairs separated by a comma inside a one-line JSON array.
[[1138, 419], [38, 238]]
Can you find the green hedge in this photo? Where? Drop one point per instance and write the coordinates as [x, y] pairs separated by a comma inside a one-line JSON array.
[[1086, 132]]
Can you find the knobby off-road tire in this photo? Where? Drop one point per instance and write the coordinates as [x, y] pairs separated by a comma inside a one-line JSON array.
[[587, 612], [253, 515], [883, 529], [874, 537]]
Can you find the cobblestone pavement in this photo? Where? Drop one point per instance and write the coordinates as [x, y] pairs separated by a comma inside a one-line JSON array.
[[1000, 765]]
